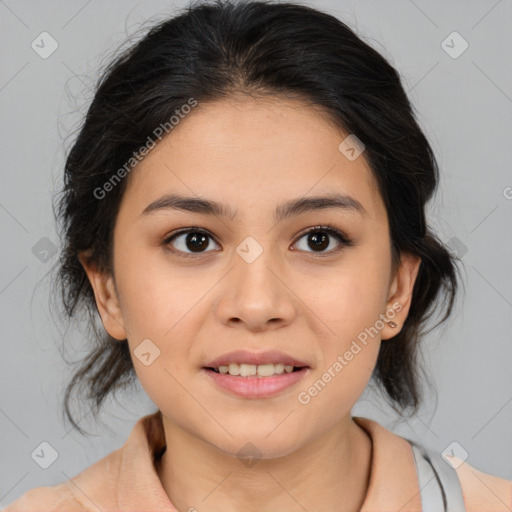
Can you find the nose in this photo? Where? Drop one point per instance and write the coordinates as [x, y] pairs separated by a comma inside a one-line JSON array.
[[255, 294]]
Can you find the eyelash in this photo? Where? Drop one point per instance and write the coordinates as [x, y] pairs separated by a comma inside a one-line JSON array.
[[330, 230]]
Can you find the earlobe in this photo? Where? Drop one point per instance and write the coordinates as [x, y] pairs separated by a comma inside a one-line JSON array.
[[400, 294], [106, 298]]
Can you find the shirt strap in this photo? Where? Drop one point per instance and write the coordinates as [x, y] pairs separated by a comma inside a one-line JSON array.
[[438, 481]]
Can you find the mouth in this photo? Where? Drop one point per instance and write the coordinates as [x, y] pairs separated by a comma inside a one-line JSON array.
[[246, 370], [255, 381]]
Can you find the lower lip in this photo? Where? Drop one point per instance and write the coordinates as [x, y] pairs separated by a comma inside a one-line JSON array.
[[256, 387]]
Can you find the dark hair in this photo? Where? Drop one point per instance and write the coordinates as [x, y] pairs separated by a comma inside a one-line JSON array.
[[219, 50]]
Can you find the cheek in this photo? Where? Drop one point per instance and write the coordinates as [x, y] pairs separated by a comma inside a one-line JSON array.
[[349, 298], [159, 305], [154, 296], [346, 305], [162, 304]]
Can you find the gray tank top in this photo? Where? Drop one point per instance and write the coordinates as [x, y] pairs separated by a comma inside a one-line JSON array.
[[439, 484]]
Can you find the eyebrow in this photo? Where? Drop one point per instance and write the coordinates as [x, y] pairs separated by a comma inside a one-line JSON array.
[[281, 212]]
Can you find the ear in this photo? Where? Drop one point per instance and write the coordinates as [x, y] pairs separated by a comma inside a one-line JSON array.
[[400, 294], [106, 298]]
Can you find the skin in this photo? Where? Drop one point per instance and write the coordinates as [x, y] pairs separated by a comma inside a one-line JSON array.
[[253, 155]]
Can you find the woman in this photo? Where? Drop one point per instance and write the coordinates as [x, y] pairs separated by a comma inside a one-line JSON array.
[[244, 207]]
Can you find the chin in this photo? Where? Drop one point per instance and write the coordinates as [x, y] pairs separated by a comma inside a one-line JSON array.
[[256, 443]]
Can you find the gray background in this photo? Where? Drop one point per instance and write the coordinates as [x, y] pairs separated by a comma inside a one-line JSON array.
[[465, 106]]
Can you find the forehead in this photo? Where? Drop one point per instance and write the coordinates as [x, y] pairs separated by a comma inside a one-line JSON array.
[[252, 152]]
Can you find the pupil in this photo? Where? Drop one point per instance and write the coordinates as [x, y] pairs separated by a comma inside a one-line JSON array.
[[196, 241], [319, 239], [199, 241]]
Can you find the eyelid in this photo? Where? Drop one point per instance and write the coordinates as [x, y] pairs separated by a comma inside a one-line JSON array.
[[196, 229], [343, 239], [332, 230]]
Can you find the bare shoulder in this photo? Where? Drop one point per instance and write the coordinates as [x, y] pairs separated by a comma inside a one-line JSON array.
[[46, 499], [484, 492]]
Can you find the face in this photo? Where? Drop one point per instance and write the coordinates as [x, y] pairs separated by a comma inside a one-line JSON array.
[[190, 286]]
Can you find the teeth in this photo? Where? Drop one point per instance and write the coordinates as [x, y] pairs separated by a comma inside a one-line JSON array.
[[233, 369], [261, 370]]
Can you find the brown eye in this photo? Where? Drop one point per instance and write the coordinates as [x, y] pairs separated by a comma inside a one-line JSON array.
[[196, 241], [319, 239], [190, 241]]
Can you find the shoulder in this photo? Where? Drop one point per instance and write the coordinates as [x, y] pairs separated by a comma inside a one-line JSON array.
[[484, 492], [124, 474], [46, 499], [95, 487]]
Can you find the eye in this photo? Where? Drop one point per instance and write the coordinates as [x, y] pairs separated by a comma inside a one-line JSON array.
[[319, 239], [193, 239]]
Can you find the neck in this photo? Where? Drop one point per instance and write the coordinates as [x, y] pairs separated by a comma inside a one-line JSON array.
[[330, 474]]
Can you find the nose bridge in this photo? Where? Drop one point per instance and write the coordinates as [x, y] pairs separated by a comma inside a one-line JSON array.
[[253, 263], [255, 293]]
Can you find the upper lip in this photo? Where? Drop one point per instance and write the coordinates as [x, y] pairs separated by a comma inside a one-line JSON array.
[[244, 356]]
